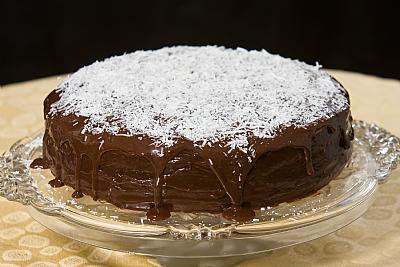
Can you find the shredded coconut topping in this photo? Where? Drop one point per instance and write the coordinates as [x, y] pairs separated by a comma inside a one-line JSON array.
[[204, 94]]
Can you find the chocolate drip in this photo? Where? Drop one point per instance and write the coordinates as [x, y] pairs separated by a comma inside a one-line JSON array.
[[78, 193], [158, 213], [95, 168], [40, 163], [309, 164], [238, 213], [218, 175], [95, 158], [345, 140], [56, 182], [233, 182]]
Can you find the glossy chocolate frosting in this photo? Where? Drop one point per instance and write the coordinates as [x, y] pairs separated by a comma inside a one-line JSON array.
[[132, 172]]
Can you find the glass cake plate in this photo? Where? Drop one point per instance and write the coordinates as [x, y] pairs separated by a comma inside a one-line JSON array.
[[201, 238]]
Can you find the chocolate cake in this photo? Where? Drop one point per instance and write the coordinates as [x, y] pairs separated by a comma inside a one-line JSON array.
[[197, 129]]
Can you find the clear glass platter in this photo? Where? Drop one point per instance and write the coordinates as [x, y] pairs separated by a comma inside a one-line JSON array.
[[200, 235]]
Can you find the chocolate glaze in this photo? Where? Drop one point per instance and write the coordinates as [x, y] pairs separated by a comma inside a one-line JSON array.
[[131, 172]]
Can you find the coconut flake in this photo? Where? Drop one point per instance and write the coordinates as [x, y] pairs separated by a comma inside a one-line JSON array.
[[204, 94]]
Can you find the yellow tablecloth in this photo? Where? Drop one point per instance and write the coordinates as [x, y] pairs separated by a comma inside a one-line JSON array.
[[373, 240]]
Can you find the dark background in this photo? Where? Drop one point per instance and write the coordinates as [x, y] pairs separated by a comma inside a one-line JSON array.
[[42, 38]]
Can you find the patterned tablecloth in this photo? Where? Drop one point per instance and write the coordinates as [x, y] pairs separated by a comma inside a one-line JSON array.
[[373, 240]]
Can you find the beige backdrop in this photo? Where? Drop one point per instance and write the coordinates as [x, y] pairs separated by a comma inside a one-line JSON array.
[[373, 240]]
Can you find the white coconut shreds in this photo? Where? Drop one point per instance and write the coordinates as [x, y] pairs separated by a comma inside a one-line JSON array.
[[200, 93]]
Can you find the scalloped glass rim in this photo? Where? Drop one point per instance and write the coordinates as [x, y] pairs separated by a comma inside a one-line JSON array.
[[376, 154]]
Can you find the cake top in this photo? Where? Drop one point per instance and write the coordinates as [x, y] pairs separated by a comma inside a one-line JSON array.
[[204, 94]]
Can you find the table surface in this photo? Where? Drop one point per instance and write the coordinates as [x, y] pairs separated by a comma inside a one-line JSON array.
[[372, 240]]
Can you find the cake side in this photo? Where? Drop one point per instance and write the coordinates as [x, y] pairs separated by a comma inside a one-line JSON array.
[[134, 173], [197, 129]]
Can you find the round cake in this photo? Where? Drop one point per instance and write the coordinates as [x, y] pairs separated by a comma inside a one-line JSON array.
[[197, 129]]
